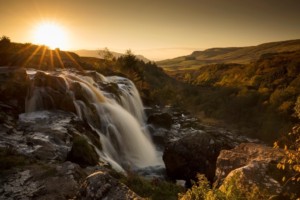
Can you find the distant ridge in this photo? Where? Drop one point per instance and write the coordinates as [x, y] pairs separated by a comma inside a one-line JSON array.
[[99, 53], [239, 55]]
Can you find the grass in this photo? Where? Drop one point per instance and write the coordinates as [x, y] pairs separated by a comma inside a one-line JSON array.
[[155, 189]]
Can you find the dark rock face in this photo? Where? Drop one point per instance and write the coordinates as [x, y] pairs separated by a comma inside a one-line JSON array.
[[101, 185], [252, 169], [197, 153], [161, 119], [54, 93], [14, 84]]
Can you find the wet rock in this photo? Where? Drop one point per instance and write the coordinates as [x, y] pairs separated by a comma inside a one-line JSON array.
[[101, 185], [252, 169], [161, 119], [53, 93], [19, 186], [46, 135], [42, 181]]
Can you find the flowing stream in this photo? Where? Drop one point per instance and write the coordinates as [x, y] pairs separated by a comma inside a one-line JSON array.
[[110, 105]]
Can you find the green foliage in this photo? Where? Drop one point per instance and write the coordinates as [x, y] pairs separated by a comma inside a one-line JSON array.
[[228, 191], [203, 191], [255, 98], [151, 189], [291, 147]]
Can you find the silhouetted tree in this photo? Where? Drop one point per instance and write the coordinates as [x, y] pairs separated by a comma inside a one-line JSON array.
[[4, 50], [4, 42], [129, 61], [109, 59], [106, 54]]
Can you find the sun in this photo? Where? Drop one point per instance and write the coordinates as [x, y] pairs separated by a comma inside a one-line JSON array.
[[50, 34]]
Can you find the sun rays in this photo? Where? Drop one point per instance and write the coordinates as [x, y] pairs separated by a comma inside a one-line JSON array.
[[50, 34], [44, 58]]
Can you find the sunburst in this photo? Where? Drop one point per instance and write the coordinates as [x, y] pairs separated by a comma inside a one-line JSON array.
[[50, 34]]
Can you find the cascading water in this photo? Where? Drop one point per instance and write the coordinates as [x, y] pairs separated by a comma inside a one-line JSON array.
[[110, 105]]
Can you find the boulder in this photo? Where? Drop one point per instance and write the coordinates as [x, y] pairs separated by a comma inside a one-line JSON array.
[[195, 153], [100, 185], [251, 169], [161, 119]]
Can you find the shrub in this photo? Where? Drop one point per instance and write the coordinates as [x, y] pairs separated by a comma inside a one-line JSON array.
[[229, 191], [291, 148], [82, 152]]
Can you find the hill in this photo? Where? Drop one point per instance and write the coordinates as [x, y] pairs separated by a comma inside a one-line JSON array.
[[238, 55], [100, 53], [259, 96]]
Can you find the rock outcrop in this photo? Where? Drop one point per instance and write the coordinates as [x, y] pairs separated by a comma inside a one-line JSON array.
[[251, 169], [14, 84], [47, 153], [197, 153]]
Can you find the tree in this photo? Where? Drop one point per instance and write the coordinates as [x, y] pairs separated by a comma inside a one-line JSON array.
[[106, 54], [130, 61], [108, 57], [4, 42]]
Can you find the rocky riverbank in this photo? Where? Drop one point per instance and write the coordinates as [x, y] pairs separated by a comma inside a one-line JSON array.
[[53, 154]]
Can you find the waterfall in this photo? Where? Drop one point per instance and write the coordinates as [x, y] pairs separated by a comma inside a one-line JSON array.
[[110, 105]]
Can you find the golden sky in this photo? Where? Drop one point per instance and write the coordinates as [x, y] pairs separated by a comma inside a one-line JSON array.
[[156, 28]]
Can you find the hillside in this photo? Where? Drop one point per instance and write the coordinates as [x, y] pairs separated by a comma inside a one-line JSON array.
[[238, 55], [257, 98], [100, 53]]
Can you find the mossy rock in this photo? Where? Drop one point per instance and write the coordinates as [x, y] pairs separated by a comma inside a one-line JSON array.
[[9, 159], [82, 152]]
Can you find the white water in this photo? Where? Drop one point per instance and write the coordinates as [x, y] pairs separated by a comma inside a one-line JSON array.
[[119, 123]]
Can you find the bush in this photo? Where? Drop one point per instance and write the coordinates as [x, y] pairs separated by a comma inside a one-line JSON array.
[[229, 191], [82, 152]]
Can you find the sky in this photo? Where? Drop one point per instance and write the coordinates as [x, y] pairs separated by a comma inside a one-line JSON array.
[[158, 29]]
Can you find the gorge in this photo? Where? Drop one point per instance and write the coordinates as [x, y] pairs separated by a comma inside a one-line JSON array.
[[80, 123]]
